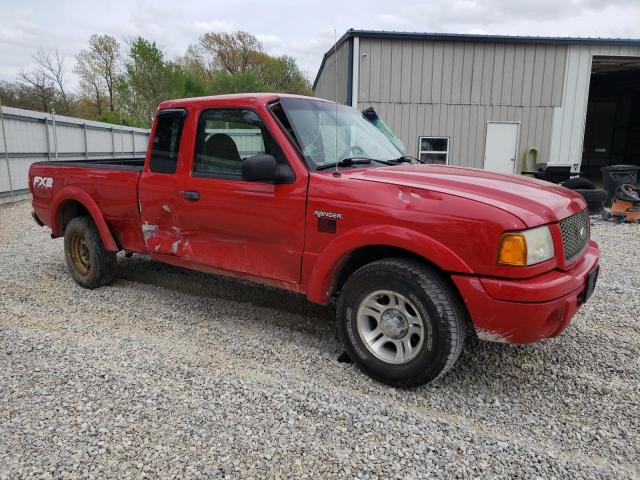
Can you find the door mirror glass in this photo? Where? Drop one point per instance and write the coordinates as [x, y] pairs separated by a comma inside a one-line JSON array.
[[260, 168], [265, 168]]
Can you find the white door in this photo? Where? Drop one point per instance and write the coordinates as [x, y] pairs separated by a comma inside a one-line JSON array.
[[501, 147]]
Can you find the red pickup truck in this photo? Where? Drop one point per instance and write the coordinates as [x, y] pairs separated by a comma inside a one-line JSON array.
[[306, 195]]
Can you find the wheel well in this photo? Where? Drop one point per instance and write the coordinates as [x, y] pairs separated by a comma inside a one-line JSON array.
[[70, 210], [364, 255]]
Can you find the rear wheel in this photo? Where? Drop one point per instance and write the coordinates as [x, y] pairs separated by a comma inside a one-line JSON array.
[[401, 321], [90, 265]]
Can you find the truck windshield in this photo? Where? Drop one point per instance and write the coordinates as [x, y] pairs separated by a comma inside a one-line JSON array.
[[326, 138]]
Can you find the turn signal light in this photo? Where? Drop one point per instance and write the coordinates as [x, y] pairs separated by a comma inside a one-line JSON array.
[[513, 250]]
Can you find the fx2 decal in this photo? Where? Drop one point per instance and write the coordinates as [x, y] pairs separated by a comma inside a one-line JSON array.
[[43, 182]]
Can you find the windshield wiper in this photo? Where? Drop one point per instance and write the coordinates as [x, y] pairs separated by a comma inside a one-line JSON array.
[[405, 159], [345, 162]]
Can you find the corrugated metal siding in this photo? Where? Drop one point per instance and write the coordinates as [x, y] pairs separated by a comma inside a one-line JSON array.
[[465, 125], [569, 118], [326, 85], [26, 133], [460, 73], [452, 89]]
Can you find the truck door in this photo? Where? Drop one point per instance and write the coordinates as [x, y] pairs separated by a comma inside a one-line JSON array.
[[253, 228], [158, 190]]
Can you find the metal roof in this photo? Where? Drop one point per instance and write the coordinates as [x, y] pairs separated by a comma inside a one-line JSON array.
[[463, 37]]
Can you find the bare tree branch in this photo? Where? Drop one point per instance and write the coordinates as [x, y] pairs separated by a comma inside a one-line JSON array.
[[51, 65], [40, 86]]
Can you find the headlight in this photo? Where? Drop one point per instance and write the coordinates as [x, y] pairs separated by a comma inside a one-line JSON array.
[[526, 248]]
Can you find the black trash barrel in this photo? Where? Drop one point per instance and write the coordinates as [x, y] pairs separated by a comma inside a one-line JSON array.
[[615, 175]]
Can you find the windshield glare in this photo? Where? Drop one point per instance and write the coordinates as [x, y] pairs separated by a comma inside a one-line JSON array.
[[317, 128]]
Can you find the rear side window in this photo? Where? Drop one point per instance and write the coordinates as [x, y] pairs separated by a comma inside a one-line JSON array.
[[166, 141]]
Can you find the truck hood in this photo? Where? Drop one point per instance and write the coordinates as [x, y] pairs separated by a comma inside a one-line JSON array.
[[535, 202]]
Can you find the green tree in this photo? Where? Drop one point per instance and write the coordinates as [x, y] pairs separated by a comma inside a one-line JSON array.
[[219, 57], [91, 82], [232, 53], [98, 68], [282, 74], [118, 117], [128, 87], [105, 49], [146, 80], [224, 82], [22, 96]]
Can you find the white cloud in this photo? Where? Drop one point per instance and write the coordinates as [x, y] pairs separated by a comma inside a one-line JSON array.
[[291, 27], [271, 43], [215, 25]]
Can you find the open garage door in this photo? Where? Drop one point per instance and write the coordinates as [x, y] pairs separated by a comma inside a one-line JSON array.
[[612, 129]]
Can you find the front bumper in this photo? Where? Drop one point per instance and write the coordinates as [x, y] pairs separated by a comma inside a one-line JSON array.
[[525, 311]]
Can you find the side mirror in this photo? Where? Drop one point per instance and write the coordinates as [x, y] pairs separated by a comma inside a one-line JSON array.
[[265, 168]]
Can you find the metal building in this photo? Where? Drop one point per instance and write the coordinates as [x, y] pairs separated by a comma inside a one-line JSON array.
[[27, 136], [490, 101]]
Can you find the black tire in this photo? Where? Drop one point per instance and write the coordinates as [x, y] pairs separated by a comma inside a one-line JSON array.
[[432, 298], [593, 196], [579, 183], [595, 200], [90, 265], [576, 183]]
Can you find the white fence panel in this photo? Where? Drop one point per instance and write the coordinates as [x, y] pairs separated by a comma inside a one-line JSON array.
[[99, 141], [70, 140], [142, 141], [36, 136]]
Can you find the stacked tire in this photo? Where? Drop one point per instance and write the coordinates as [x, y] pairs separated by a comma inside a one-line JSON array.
[[595, 197]]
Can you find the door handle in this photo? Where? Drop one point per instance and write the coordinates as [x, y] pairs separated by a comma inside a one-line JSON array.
[[193, 196]]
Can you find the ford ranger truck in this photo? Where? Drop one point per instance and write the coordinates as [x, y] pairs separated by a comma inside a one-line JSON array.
[[306, 195]]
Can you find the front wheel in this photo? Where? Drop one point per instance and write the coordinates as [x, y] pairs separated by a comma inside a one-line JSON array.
[[90, 265], [401, 322]]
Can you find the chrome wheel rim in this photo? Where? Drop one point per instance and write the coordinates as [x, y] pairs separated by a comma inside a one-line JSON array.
[[390, 326]]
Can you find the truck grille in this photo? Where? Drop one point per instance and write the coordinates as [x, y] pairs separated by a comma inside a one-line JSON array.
[[575, 234]]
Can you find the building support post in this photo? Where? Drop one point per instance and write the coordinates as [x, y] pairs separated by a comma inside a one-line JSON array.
[[6, 152], [55, 133], [86, 143], [355, 71], [46, 136], [113, 143]]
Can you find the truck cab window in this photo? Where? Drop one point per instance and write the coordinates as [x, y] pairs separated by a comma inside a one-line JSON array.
[[228, 136], [166, 141]]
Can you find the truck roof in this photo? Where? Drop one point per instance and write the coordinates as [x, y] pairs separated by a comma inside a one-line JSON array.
[[260, 97]]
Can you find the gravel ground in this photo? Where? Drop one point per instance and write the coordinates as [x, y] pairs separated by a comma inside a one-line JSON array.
[[172, 373]]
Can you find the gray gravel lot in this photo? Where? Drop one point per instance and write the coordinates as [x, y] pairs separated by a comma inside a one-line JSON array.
[[170, 373]]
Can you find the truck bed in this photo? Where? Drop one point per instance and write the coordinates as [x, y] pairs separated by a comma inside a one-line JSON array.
[[111, 184], [133, 163]]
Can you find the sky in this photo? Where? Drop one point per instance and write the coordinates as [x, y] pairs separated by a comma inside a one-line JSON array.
[[302, 29]]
